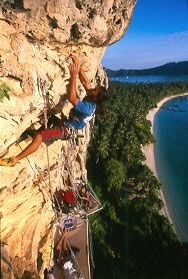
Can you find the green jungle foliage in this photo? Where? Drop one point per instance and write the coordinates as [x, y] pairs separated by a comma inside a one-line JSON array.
[[131, 239], [4, 92]]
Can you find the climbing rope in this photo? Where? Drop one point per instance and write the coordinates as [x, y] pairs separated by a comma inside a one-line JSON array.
[[68, 163], [41, 86], [38, 172], [91, 246], [75, 260], [71, 169], [45, 95], [51, 262]]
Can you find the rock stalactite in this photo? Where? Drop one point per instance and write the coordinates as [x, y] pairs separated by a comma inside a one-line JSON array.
[[36, 40]]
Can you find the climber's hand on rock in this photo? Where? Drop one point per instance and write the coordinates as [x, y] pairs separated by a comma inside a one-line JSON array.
[[74, 69], [75, 59]]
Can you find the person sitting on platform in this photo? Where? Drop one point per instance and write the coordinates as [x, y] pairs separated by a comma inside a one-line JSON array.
[[69, 202], [82, 112], [84, 197]]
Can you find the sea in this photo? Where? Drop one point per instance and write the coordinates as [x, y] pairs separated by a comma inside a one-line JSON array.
[[171, 151], [171, 159], [151, 78]]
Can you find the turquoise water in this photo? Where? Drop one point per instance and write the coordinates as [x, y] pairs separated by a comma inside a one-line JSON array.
[[171, 156], [151, 79]]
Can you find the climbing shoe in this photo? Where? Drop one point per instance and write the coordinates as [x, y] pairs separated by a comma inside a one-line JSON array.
[[8, 162]]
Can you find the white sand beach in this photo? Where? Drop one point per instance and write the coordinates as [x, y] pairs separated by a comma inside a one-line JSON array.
[[149, 150]]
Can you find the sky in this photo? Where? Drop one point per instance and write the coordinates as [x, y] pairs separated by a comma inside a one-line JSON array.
[[157, 34]]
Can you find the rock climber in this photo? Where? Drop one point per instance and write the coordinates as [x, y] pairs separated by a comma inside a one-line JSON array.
[[82, 112]]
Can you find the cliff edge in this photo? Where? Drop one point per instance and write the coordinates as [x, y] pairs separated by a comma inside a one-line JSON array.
[[37, 38]]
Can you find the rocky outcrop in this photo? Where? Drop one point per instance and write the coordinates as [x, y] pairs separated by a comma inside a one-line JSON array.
[[37, 38]]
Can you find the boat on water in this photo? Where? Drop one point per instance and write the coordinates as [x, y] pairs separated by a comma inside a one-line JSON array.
[[176, 109]]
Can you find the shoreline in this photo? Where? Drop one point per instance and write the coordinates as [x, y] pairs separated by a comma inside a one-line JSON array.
[[148, 151]]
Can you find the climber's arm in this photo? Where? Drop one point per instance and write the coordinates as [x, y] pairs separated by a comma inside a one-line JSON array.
[[59, 243], [72, 96], [84, 198], [62, 240], [83, 78]]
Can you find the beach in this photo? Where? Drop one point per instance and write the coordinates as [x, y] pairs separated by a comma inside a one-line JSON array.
[[149, 151]]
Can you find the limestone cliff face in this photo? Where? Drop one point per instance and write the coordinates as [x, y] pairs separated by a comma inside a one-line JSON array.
[[36, 39]]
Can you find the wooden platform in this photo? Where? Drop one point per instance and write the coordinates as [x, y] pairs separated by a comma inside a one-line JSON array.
[[77, 239]]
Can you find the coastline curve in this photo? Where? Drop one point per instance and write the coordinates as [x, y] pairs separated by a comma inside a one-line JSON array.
[[149, 152]]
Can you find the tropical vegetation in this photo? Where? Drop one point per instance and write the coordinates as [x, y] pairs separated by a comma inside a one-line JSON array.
[[132, 239]]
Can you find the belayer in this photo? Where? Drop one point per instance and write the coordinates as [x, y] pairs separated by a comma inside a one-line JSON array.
[[82, 112]]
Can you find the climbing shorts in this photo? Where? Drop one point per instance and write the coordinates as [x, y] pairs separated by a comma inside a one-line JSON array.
[[53, 134]]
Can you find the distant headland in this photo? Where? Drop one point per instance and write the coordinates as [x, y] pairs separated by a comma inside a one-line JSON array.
[[173, 68]]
